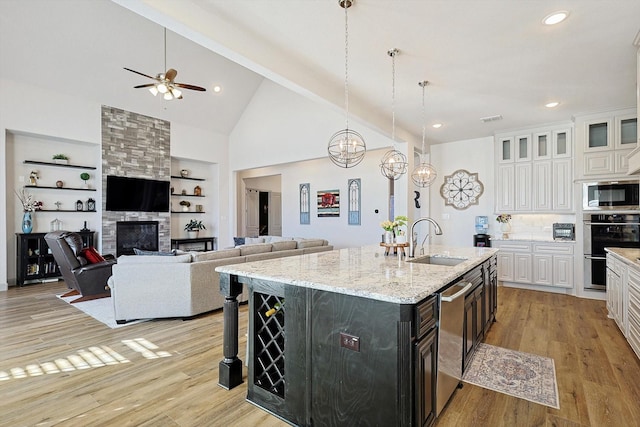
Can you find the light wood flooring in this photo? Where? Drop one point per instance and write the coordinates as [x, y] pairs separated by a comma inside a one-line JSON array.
[[165, 372]]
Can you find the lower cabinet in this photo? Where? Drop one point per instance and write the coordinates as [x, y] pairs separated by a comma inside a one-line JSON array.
[[35, 262], [623, 297], [426, 358], [547, 264]]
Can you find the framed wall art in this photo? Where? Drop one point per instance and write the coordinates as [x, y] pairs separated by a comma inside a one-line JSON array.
[[328, 203], [305, 204], [353, 187]]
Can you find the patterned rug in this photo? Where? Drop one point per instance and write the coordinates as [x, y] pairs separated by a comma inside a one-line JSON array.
[[522, 375]]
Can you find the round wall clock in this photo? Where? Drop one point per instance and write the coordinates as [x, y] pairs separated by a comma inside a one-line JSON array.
[[461, 189]]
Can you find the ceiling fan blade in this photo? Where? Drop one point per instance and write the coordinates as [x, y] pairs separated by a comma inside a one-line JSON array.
[[142, 74], [170, 74], [192, 87], [142, 86]]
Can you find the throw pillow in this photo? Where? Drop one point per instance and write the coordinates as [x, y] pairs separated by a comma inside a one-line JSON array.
[[91, 255], [237, 241], [157, 253]]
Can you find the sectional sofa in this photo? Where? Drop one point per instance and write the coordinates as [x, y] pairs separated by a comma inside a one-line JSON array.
[[184, 285]]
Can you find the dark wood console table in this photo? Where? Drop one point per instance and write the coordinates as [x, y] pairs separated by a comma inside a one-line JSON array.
[[209, 243]]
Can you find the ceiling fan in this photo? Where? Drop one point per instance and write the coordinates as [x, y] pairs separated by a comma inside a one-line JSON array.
[[165, 82]]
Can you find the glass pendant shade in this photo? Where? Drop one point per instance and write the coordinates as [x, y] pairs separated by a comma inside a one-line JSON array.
[[346, 148], [394, 164]]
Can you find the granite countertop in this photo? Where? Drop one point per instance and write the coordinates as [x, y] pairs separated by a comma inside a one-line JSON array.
[[366, 271], [531, 238], [629, 255]]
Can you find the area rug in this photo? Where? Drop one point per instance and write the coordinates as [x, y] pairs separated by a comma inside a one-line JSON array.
[[100, 309], [522, 375]]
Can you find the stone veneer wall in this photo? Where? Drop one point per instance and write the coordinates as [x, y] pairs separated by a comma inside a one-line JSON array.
[[136, 146]]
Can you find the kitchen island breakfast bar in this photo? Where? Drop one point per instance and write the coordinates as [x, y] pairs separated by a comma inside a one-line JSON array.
[[352, 337]]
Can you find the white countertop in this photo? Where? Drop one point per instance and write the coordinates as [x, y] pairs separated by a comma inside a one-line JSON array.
[[629, 255], [366, 271]]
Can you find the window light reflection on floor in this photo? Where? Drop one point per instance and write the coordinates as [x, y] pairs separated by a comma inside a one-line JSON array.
[[94, 357]]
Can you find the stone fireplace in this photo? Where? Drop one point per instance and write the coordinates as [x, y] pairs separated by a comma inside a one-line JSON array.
[[136, 146]]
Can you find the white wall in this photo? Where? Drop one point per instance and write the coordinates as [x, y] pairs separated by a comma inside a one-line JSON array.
[[475, 156], [322, 175]]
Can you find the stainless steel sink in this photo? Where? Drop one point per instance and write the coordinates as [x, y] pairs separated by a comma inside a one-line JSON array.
[[437, 260]]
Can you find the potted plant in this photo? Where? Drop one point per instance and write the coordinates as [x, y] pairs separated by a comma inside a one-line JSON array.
[[185, 205], [193, 227], [61, 159], [85, 177]]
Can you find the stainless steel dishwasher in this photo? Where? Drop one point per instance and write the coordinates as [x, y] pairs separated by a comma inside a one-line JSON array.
[[450, 337]]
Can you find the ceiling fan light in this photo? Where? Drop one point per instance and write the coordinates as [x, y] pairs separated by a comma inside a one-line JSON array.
[[168, 96], [162, 88], [153, 90], [176, 93]]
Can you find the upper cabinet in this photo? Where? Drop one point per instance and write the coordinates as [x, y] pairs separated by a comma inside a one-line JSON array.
[[604, 143], [634, 157], [534, 170]]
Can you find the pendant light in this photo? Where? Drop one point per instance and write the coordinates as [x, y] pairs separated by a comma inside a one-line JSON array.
[[424, 174], [394, 163], [346, 147]]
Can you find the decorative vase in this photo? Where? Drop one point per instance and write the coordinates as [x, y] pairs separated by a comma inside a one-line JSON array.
[[27, 223], [193, 234], [185, 208], [388, 237], [401, 239], [505, 227]]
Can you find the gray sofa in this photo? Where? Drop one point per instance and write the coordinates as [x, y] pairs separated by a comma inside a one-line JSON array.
[[149, 286]]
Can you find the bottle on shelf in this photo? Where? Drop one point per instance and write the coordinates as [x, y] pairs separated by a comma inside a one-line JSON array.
[[276, 308]]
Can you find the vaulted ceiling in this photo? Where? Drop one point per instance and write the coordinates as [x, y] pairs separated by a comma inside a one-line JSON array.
[[482, 58]]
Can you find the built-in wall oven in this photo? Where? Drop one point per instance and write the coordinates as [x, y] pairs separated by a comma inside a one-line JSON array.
[[606, 230]]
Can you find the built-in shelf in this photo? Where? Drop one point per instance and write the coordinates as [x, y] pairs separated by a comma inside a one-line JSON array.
[[62, 165], [188, 177], [186, 195], [59, 188], [64, 210], [187, 212]]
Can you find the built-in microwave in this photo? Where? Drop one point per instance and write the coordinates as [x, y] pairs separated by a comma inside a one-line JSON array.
[[611, 195]]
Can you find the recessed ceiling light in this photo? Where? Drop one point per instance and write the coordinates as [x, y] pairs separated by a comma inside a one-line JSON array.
[[217, 89], [552, 104], [437, 125], [555, 17]]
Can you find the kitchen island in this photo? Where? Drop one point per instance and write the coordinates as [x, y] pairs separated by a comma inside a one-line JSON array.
[[350, 336]]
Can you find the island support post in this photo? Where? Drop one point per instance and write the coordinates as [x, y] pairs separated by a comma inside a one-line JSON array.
[[230, 368]]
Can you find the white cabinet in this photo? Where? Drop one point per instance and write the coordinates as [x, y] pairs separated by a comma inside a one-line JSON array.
[[623, 297], [633, 308], [535, 171], [605, 142], [505, 189], [505, 266], [561, 178], [536, 263]]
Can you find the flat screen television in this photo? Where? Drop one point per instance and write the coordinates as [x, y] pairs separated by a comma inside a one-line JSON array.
[[137, 194]]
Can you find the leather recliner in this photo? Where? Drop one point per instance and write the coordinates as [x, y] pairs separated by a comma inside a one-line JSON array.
[[88, 280]]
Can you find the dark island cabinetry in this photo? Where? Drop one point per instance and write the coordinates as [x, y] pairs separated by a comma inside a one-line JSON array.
[[325, 358]]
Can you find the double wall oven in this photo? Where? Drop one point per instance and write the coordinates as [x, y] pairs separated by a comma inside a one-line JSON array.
[[606, 230]]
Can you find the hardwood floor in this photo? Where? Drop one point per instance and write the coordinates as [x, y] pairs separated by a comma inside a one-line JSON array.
[[165, 372]]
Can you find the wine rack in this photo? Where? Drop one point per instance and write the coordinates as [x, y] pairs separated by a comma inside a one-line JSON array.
[[269, 344]]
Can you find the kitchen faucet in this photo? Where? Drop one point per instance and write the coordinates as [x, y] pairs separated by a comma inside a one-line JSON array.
[[411, 244]]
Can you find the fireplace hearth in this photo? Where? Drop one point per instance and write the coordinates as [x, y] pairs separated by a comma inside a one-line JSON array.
[[136, 234]]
